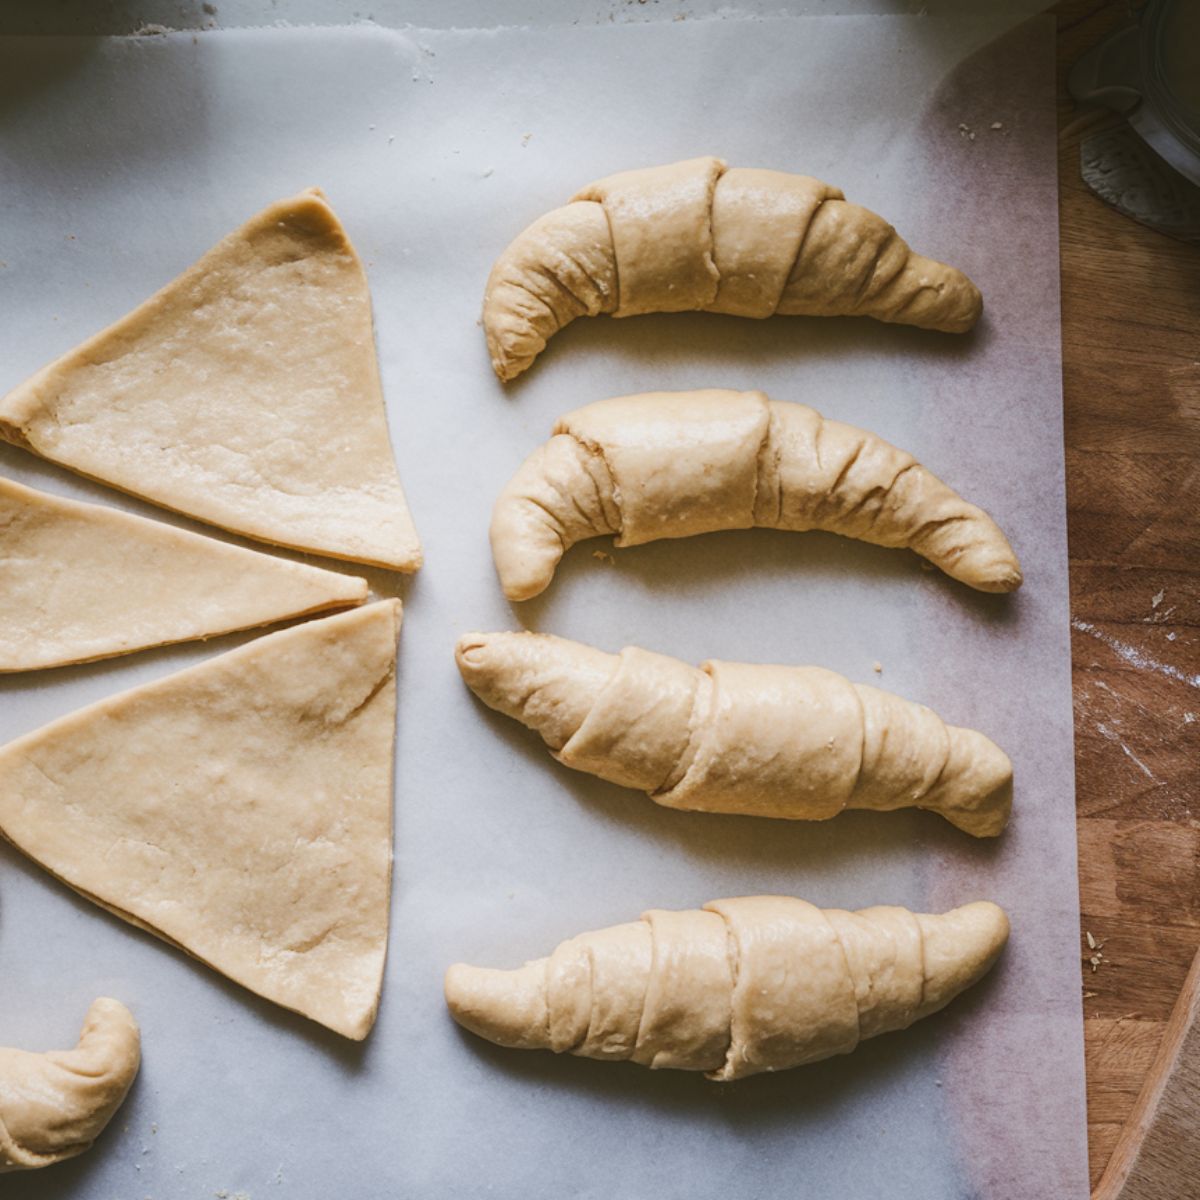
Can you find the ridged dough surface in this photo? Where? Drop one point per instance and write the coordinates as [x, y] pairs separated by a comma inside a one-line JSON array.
[[801, 743], [753, 984], [676, 464], [699, 236], [54, 1105]]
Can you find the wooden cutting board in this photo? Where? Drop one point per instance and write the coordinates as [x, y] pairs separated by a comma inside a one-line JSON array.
[[1131, 379]]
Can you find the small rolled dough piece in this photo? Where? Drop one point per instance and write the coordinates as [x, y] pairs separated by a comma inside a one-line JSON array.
[[53, 1106]]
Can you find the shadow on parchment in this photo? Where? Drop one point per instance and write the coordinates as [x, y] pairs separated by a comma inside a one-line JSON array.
[[86, 72], [699, 342], [31, 65], [714, 562]]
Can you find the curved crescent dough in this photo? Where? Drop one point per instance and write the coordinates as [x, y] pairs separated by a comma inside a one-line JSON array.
[[673, 464], [800, 743], [53, 1106], [759, 983], [696, 236]]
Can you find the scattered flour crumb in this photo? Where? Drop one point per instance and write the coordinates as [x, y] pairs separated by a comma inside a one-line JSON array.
[[489, 173], [1170, 637], [877, 667], [525, 138], [604, 556], [996, 125], [1157, 598]]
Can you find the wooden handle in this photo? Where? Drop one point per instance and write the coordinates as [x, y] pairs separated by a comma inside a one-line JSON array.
[[1158, 1154]]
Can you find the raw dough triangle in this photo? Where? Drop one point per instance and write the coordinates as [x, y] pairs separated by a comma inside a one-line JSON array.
[[80, 582], [240, 809], [245, 393]]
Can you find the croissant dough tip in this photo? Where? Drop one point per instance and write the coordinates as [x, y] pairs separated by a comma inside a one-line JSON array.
[[961, 946], [505, 1007]]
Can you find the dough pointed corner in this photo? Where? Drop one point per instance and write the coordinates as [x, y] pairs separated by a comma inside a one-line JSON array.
[[506, 1007], [407, 555]]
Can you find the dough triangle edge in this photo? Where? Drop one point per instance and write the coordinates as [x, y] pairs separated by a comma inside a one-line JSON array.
[[244, 393], [240, 809], [84, 582]]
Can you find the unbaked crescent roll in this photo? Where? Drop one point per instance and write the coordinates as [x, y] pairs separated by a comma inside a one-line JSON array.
[[759, 983], [695, 236], [673, 464], [801, 743], [53, 1106]]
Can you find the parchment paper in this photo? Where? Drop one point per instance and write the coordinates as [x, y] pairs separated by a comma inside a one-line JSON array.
[[122, 160]]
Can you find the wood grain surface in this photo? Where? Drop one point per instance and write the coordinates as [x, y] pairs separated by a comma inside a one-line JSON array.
[[1131, 380]]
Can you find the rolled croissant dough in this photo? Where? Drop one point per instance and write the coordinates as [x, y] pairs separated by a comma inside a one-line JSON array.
[[698, 236], [674, 464], [81, 581], [800, 743], [759, 983], [240, 809], [53, 1106], [245, 393]]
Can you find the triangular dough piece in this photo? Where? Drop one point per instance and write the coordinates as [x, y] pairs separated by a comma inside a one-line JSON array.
[[241, 809], [80, 582], [245, 393]]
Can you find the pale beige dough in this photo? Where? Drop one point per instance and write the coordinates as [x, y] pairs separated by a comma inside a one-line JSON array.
[[800, 743], [240, 809], [53, 1106], [698, 236], [245, 393], [674, 464], [758, 983], [80, 582]]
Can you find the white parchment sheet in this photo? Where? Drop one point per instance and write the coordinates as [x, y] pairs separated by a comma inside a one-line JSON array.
[[122, 160]]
